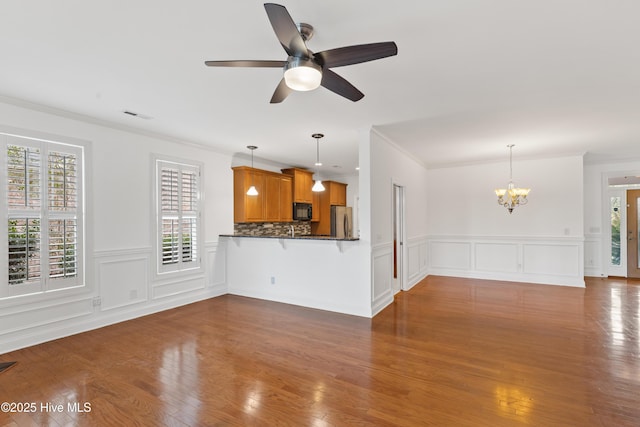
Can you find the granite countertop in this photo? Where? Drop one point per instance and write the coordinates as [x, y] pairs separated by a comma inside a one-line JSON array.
[[300, 237]]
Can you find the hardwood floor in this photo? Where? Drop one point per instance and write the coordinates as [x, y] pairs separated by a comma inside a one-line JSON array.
[[450, 352]]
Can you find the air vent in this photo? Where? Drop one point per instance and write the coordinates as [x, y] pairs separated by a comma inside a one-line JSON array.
[[138, 115]]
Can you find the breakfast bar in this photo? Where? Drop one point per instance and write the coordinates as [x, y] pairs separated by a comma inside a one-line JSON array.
[[312, 271]]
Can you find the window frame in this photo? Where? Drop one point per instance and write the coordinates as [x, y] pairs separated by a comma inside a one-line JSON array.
[[180, 266], [46, 215]]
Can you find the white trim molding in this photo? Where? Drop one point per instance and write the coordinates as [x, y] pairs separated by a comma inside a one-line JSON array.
[[543, 260]]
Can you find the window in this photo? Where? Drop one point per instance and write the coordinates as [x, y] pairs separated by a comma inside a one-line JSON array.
[[615, 230], [178, 216], [41, 195]]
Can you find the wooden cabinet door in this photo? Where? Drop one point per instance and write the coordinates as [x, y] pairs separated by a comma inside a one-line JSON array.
[[338, 194], [308, 184], [315, 207], [286, 199], [254, 205], [303, 184], [271, 198]]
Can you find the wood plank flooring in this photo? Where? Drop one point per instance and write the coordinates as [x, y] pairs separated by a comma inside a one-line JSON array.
[[450, 352]]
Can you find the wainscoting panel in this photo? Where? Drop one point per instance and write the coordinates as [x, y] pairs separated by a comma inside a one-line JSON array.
[[216, 262], [593, 258], [555, 260], [14, 320], [450, 255], [122, 277], [382, 265], [417, 261], [548, 260], [177, 287], [498, 257]]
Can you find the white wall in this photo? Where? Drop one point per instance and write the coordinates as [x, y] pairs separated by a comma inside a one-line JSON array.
[[542, 242], [120, 260], [389, 165]]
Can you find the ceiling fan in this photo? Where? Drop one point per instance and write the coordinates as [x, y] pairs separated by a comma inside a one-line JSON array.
[[305, 70]]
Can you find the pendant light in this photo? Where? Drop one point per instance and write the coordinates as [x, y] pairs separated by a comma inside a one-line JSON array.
[[514, 196], [252, 190], [317, 187]]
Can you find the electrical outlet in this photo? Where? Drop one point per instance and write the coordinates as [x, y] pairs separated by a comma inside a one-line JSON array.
[[97, 301], [273, 280]]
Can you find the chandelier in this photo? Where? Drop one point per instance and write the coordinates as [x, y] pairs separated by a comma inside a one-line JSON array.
[[514, 196]]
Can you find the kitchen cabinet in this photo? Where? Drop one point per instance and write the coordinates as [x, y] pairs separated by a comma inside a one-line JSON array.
[[302, 183], [271, 198], [315, 206], [335, 193], [273, 202], [286, 199], [247, 208]]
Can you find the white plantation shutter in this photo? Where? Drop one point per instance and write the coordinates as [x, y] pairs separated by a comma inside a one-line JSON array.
[[23, 177], [23, 200], [178, 215], [44, 230], [63, 239], [63, 203], [62, 182], [24, 250]]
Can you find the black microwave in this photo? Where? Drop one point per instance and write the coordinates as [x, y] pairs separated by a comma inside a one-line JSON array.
[[302, 211]]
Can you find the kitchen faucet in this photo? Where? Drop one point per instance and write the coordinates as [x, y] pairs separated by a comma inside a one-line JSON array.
[[293, 231]]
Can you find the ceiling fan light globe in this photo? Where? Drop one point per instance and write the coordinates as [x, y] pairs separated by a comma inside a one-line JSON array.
[[302, 74]]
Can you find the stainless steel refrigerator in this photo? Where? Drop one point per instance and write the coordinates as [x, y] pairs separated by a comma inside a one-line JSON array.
[[341, 222]]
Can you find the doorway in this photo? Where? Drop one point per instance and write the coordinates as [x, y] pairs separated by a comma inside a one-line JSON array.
[[398, 238], [633, 234]]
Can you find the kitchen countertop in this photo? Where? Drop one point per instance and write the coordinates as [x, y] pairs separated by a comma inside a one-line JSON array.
[[300, 237]]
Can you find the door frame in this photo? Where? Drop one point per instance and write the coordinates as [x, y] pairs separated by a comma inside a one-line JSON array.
[[398, 228], [606, 193], [633, 210], [616, 270]]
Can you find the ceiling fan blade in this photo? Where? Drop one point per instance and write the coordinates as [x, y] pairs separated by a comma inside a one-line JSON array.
[[281, 92], [356, 54], [286, 30], [242, 63], [339, 85]]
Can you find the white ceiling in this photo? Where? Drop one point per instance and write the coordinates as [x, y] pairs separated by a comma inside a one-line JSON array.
[[470, 77]]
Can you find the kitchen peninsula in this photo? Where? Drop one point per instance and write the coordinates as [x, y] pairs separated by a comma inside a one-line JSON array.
[[317, 272], [281, 258]]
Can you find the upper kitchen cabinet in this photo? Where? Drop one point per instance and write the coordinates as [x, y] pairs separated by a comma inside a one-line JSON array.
[[247, 208], [286, 198], [271, 198], [315, 212], [302, 183], [334, 194], [337, 193], [273, 202]]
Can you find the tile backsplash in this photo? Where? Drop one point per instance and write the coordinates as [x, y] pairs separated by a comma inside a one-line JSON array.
[[302, 228]]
